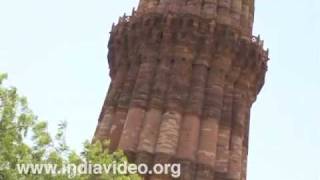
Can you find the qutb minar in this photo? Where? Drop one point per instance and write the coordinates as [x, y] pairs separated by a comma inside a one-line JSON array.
[[184, 75]]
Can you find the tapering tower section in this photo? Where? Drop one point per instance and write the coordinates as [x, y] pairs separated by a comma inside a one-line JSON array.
[[185, 74]]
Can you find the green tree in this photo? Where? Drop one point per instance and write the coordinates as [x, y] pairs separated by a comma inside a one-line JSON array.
[[25, 140]]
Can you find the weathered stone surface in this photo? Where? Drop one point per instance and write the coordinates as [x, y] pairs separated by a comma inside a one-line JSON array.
[[189, 138], [185, 74], [131, 131], [206, 153], [150, 132], [169, 133], [116, 128], [104, 126]]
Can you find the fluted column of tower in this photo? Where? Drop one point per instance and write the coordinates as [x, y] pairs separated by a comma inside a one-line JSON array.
[[185, 74]]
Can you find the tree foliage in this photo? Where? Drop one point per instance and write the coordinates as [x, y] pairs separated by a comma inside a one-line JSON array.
[[24, 139]]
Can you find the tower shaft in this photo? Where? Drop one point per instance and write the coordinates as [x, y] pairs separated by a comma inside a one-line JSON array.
[[185, 74]]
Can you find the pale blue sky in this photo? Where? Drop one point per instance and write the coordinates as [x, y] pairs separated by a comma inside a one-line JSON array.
[[55, 54]]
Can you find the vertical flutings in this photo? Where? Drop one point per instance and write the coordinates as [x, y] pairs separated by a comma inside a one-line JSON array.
[[184, 76], [175, 100], [154, 115], [225, 125], [111, 104], [136, 114], [190, 128]]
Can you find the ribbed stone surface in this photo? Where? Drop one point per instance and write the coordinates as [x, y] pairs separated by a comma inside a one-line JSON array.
[[185, 74], [169, 133]]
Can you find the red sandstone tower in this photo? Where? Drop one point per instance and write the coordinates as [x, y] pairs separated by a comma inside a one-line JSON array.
[[185, 74]]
